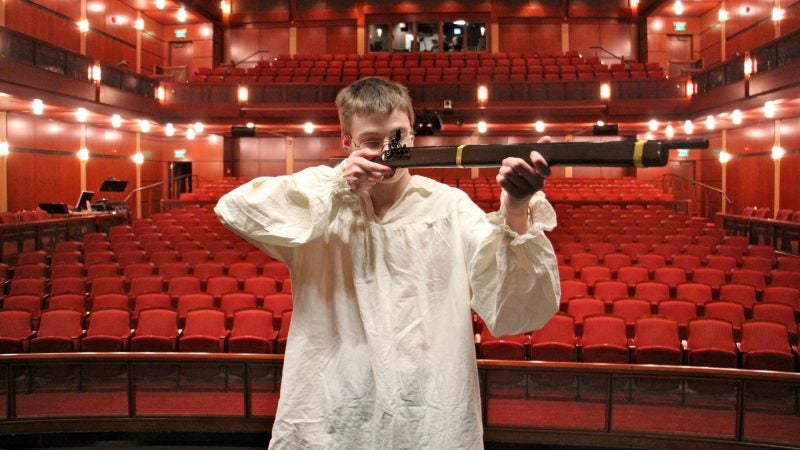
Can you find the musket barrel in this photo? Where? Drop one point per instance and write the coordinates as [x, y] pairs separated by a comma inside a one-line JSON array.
[[600, 154]]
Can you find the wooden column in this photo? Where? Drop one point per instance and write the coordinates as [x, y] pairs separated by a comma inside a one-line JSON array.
[[3, 164]]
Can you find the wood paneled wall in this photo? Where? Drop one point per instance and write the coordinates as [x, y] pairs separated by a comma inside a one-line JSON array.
[[43, 164], [749, 25], [111, 39], [53, 21]]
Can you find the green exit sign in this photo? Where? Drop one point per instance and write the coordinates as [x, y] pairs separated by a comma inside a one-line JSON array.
[[683, 152], [179, 153], [180, 33], [679, 26]]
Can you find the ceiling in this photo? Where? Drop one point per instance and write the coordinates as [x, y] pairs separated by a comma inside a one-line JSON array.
[[208, 10]]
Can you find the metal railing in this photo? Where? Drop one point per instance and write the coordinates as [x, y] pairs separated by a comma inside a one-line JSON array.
[[697, 189], [175, 188], [620, 58], [248, 59]]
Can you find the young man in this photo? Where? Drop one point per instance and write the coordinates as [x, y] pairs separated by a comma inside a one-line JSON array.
[[386, 268]]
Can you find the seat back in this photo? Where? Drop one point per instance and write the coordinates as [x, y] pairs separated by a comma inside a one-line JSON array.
[[60, 323], [109, 322], [253, 322], [205, 322], [235, 301], [711, 334], [158, 322], [15, 324]]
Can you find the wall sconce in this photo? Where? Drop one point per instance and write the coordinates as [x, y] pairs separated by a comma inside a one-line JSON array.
[[169, 130], [748, 65], [83, 154], [81, 114], [198, 127], [669, 131], [723, 15], [116, 121], [190, 134], [711, 123], [243, 94], [678, 7], [139, 24], [736, 117], [539, 126], [688, 127], [482, 127], [634, 3], [690, 88], [83, 25], [161, 93], [724, 157], [138, 159], [4, 148], [95, 73], [777, 152], [308, 127], [181, 14], [605, 91], [769, 109], [225, 7], [144, 125], [37, 106], [652, 125], [483, 94], [778, 14]]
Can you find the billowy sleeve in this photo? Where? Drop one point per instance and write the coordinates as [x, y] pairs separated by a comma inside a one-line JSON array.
[[285, 211], [514, 277]]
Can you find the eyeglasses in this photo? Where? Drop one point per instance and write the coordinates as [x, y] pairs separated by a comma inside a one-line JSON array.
[[380, 145]]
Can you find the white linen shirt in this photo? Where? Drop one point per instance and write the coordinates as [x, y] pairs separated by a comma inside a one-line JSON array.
[[380, 353]]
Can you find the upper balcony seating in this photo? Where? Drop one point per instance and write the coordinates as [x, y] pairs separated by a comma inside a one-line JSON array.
[[502, 67]]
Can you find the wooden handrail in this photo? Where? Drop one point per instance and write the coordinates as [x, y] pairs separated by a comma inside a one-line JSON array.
[[16, 369]]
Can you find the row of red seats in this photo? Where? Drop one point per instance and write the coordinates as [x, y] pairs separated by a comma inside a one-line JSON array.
[[734, 302], [765, 212], [605, 338], [425, 55], [157, 330], [431, 75], [537, 64], [23, 216], [227, 299]]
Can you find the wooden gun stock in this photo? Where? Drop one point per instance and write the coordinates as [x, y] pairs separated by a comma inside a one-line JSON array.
[[600, 154]]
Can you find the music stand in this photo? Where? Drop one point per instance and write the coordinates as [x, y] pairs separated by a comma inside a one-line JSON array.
[[84, 201], [113, 185]]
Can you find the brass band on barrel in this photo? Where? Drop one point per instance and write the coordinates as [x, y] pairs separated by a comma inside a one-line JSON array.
[[638, 150], [459, 151]]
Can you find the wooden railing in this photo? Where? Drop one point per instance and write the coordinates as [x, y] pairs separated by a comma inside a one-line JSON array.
[[522, 401], [783, 235], [42, 234]]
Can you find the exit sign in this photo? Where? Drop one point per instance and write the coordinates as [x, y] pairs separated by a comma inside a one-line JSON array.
[[683, 152], [180, 33], [679, 26], [179, 153]]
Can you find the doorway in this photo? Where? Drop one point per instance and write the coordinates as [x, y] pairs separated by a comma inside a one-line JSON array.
[[180, 175], [181, 54], [679, 54]]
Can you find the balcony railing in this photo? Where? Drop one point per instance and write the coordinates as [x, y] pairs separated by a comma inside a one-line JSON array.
[[525, 401]]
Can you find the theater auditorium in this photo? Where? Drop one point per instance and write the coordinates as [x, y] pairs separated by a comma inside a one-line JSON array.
[[130, 316]]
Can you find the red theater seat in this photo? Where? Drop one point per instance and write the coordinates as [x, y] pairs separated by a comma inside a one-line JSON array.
[[252, 332]]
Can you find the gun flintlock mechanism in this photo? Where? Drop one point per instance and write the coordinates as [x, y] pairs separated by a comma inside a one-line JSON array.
[[642, 153]]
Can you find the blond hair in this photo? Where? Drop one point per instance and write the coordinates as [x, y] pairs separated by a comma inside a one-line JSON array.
[[372, 95]]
